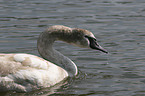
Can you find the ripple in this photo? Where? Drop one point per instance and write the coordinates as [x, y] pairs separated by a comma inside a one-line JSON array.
[[117, 24]]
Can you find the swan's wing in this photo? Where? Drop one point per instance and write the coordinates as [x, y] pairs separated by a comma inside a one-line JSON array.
[[25, 72]]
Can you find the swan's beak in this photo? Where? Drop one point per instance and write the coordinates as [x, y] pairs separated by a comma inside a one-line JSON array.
[[95, 45]]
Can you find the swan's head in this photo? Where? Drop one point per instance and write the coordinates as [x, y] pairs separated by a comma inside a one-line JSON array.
[[86, 39], [76, 36]]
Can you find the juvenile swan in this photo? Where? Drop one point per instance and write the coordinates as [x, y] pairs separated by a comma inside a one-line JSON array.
[[24, 72]]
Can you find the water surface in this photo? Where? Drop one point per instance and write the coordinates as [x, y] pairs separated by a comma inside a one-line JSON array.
[[118, 25]]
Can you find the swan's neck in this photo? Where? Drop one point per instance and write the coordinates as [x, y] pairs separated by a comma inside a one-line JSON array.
[[45, 48]]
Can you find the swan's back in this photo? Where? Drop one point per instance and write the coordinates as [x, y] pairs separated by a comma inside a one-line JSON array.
[[25, 72]]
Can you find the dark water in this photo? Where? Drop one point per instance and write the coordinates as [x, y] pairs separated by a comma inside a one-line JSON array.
[[119, 26]]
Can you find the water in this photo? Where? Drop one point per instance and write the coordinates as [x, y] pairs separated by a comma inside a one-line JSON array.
[[119, 26]]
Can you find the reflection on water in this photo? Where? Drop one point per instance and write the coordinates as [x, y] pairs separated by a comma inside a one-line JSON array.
[[117, 24]]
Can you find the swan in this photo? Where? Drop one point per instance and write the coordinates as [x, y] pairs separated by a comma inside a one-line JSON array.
[[22, 72]]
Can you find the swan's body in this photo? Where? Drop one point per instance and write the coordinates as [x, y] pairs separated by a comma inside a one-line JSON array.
[[24, 72]]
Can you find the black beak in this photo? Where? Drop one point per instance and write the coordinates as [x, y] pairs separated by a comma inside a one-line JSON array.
[[95, 45]]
